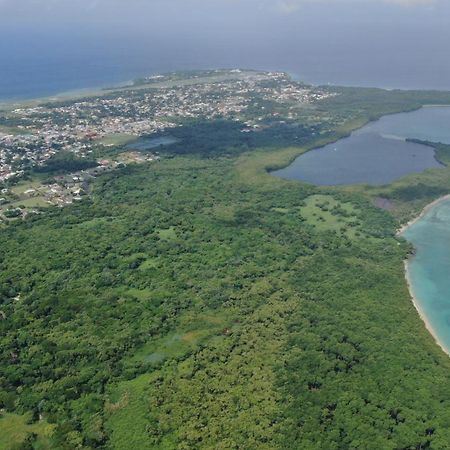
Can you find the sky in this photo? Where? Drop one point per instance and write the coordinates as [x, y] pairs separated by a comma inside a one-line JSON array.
[[216, 19], [124, 10]]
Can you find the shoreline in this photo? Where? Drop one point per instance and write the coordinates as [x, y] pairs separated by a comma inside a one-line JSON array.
[[420, 311], [427, 207], [101, 91], [408, 278], [74, 94]]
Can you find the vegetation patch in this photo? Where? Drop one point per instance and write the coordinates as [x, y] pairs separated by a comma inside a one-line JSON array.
[[167, 234], [205, 304], [113, 140], [325, 213], [23, 432]]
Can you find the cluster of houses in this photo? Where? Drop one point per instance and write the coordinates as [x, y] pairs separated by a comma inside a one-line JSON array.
[[65, 189], [79, 125]]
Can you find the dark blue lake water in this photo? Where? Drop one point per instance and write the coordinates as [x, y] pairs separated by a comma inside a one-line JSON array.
[[377, 153]]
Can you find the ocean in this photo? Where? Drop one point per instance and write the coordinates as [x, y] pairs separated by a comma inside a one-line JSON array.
[[378, 44]]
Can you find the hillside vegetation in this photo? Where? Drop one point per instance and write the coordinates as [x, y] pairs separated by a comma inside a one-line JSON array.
[[200, 303]]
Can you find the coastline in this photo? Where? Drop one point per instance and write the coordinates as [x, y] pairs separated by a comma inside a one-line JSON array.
[[420, 311], [404, 227], [107, 89], [75, 94], [406, 263]]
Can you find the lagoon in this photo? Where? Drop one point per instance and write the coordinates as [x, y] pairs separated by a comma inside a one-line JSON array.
[[429, 270], [376, 154]]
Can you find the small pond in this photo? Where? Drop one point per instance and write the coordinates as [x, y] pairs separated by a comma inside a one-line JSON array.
[[150, 143]]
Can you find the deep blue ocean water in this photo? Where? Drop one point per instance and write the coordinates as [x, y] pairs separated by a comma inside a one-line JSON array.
[[349, 43]]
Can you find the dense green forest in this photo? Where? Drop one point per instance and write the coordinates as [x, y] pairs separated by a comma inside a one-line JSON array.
[[200, 303], [65, 162]]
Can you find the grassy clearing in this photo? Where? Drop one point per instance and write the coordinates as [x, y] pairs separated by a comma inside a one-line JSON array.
[[15, 429], [18, 198], [22, 187], [97, 222], [193, 330], [327, 214], [127, 157], [171, 346], [149, 264], [128, 406], [281, 210], [167, 234], [140, 294], [33, 202], [127, 410], [117, 139]]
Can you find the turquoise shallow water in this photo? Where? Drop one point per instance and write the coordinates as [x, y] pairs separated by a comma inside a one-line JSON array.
[[430, 268]]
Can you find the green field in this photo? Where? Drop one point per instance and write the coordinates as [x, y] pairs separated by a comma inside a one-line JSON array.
[[19, 199], [33, 202], [326, 213], [16, 429], [24, 186], [117, 139], [167, 234]]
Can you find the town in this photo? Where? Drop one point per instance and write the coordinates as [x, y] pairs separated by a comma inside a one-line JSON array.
[[29, 197], [31, 135]]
